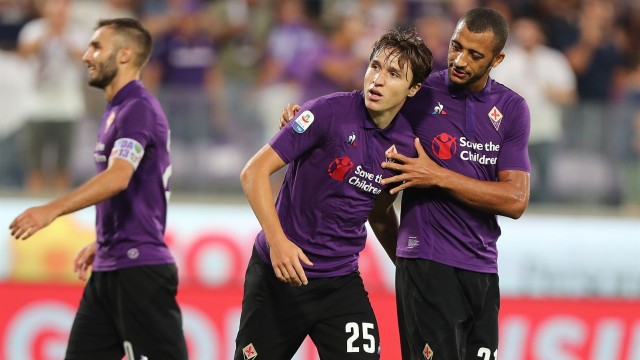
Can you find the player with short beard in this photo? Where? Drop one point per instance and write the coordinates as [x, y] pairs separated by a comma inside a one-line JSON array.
[[473, 165], [129, 304], [447, 287]]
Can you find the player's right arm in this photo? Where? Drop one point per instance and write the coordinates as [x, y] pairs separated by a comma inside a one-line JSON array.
[[285, 255], [101, 187]]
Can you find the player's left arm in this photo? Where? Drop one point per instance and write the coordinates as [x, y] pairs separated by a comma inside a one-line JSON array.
[[509, 196], [101, 187], [384, 223]]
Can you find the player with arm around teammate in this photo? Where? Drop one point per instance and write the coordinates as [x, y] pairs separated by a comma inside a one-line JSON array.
[[472, 166], [302, 279], [129, 303]]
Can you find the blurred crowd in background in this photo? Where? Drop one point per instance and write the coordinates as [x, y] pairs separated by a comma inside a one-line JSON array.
[[224, 69]]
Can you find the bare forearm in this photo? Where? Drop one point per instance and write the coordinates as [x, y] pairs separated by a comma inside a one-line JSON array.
[[387, 235], [257, 189], [384, 223], [508, 197], [94, 191]]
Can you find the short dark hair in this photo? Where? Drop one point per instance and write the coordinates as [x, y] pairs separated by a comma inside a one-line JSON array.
[[410, 49], [480, 20], [132, 30]]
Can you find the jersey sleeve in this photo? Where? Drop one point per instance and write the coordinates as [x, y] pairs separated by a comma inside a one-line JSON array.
[[514, 154], [307, 130], [134, 126]]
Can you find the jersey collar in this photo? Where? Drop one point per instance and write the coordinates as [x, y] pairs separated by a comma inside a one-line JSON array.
[[125, 91], [456, 91]]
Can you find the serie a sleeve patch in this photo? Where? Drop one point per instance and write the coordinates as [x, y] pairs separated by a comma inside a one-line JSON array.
[[127, 149], [303, 121]]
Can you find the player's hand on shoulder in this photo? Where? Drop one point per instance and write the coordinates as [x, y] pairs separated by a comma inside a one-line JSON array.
[[285, 259], [288, 112]]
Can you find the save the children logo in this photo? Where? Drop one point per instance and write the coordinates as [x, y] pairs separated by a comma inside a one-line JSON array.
[[340, 167], [444, 146], [343, 168]]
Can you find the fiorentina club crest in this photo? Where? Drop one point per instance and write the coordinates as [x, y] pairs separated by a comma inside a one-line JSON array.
[[496, 117], [427, 352], [391, 150], [249, 352], [110, 119]]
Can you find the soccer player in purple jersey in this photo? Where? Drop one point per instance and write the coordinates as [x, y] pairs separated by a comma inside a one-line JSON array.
[[302, 279], [472, 166], [129, 304]]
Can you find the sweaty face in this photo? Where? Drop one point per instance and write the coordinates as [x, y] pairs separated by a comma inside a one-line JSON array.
[[471, 57], [100, 59], [386, 84]]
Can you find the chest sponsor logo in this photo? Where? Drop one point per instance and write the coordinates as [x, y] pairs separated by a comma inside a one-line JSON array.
[[340, 168], [445, 147], [496, 117], [439, 110], [303, 121], [343, 168]]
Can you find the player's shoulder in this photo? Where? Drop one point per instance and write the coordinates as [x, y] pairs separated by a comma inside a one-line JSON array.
[[141, 104], [342, 98], [504, 92], [437, 80], [336, 103]]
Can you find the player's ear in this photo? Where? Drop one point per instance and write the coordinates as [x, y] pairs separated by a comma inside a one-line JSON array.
[[125, 55], [414, 89], [497, 60]]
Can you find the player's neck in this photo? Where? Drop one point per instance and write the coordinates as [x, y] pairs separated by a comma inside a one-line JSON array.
[[120, 81], [382, 119]]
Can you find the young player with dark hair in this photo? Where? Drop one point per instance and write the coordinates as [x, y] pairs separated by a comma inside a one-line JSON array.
[[472, 166], [302, 279]]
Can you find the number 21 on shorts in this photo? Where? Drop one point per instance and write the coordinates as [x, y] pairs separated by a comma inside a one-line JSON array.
[[485, 354]]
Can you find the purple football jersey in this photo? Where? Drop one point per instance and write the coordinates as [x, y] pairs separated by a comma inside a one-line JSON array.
[[130, 225], [334, 152], [476, 135]]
